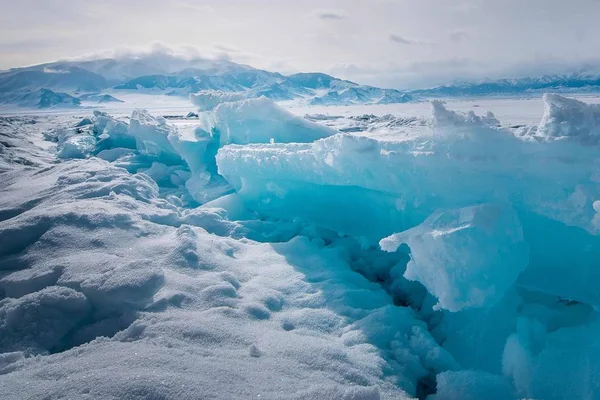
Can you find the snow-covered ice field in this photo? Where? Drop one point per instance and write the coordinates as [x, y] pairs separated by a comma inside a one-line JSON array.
[[518, 110], [417, 250]]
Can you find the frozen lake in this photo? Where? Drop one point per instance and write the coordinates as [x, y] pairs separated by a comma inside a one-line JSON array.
[[509, 110]]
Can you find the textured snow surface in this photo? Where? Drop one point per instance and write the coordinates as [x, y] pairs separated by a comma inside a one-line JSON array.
[[251, 253]]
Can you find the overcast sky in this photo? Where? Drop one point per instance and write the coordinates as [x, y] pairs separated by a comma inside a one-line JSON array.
[[395, 43]]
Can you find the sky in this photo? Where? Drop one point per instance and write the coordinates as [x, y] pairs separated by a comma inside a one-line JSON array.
[[391, 43]]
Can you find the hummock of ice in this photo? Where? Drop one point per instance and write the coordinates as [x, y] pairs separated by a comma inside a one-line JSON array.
[[570, 118], [183, 156], [262, 121], [399, 184], [539, 250], [151, 136], [457, 261], [207, 100], [466, 257]]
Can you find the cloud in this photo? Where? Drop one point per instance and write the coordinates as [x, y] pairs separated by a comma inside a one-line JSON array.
[[330, 15], [324, 33], [226, 48], [427, 74], [200, 8], [156, 48], [458, 36], [400, 39], [408, 41], [410, 75], [467, 7], [26, 44]]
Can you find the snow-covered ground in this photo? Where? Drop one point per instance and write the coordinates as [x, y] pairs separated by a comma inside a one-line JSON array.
[[413, 250]]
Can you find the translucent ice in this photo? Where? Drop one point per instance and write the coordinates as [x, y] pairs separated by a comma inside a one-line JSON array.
[[152, 136], [467, 257]]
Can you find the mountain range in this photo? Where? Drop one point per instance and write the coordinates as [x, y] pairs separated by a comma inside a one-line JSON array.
[[174, 76], [586, 82], [69, 83]]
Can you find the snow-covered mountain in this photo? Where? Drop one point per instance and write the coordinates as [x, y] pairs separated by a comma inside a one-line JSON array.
[[170, 75], [61, 77], [317, 88], [317, 80], [575, 82], [358, 94], [100, 98], [42, 98], [126, 68]]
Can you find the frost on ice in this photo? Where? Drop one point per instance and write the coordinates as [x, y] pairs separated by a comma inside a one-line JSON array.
[[253, 252]]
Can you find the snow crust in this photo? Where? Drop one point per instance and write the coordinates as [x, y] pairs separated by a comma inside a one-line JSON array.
[[250, 252]]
